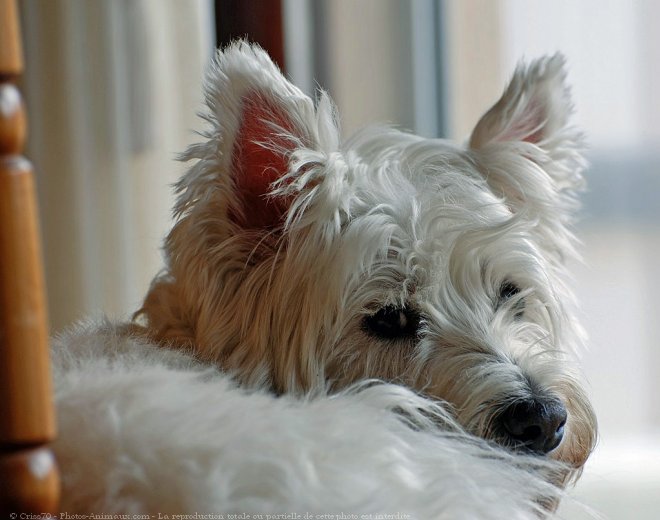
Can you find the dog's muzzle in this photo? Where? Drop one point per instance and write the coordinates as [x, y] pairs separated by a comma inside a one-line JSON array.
[[535, 425]]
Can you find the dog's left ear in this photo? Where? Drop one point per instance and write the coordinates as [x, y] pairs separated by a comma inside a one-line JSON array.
[[529, 152]]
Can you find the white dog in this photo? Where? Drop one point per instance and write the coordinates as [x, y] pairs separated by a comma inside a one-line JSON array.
[[302, 267]]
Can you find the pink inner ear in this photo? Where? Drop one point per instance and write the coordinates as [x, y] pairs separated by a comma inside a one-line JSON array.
[[530, 128], [258, 161]]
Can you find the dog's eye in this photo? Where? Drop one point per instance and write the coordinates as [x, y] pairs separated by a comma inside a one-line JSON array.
[[509, 290], [392, 323]]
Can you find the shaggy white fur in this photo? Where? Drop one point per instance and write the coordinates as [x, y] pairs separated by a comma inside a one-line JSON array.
[[299, 262], [144, 429], [304, 268]]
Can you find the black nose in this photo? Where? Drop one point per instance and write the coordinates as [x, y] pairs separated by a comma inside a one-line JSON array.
[[535, 424]]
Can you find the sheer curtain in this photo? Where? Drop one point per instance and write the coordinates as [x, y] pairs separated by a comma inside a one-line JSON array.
[[113, 88], [366, 53]]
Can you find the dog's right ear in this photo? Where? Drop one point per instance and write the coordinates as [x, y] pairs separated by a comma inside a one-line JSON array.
[[532, 121], [529, 151], [260, 124]]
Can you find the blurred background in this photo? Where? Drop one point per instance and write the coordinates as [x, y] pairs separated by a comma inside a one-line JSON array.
[[113, 87]]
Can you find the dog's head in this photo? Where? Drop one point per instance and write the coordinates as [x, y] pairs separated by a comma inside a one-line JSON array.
[[299, 262]]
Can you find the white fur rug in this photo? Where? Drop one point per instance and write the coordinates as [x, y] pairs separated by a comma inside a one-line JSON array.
[[147, 430]]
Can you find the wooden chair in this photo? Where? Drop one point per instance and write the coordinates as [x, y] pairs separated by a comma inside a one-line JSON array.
[[28, 475]]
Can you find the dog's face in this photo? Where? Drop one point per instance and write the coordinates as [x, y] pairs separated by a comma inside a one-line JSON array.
[[300, 263]]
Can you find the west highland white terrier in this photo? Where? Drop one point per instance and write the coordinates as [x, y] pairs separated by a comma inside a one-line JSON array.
[[303, 266], [299, 262]]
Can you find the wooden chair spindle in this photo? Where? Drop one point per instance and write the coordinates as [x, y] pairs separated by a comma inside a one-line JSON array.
[[28, 475]]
